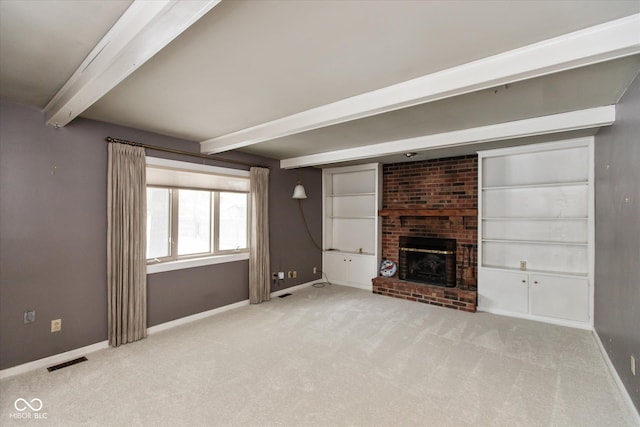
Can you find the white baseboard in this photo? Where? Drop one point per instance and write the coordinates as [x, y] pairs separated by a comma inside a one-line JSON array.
[[72, 354], [551, 320], [355, 285], [188, 319], [616, 377], [184, 320], [53, 360], [293, 288]]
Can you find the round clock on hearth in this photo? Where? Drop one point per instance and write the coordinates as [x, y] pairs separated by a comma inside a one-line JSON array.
[[388, 268]]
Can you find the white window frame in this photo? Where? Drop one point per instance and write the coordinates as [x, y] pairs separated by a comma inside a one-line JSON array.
[[198, 260]]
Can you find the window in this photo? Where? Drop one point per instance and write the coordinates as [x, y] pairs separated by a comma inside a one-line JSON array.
[[158, 222], [186, 222], [233, 221], [194, 222]]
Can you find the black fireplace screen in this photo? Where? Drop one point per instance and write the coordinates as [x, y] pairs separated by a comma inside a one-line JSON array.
[[428, 260]]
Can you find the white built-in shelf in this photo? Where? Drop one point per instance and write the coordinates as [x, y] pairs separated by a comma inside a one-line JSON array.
[[536, 242], [534, 271], [535, 230], [514, 218], [351, 227], [351, 217], [351, 195], [348, 251], [544, 185]]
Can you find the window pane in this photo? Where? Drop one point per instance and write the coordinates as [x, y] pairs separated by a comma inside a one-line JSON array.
[[194, 222], [158, 222], [233, 221]]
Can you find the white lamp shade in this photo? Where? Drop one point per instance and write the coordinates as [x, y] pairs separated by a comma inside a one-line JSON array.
[[299, 193]]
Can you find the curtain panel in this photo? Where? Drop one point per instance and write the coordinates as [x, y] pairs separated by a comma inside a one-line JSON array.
[[259, 267], [126, 244]]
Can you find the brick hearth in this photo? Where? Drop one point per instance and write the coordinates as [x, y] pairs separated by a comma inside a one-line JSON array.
[[435, 295], [442, 186]]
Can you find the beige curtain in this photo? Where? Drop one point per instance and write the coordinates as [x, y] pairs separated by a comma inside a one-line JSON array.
[[126, 244], [259, 285]]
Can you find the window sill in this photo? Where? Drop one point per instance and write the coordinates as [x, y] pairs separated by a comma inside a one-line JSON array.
[[199, 262]]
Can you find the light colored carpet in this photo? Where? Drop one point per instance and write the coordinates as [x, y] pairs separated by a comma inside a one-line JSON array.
[[335, 356]]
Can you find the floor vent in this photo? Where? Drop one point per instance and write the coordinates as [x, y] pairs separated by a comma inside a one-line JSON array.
[[65, 364], [283, 295]]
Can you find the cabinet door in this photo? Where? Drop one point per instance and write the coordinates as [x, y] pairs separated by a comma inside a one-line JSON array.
[[363, 268], [560, 297], [503, 291], [336, 267]]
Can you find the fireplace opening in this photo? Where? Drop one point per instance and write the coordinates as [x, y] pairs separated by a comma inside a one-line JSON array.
[[428, 260]]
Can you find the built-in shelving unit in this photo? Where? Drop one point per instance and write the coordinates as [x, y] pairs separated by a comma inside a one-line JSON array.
[[351, 238], [535, 229]]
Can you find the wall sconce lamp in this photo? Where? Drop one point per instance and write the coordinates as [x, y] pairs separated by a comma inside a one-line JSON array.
[[298, 192]]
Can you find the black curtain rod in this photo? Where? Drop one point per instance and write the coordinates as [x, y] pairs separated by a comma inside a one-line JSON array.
[[185, 153]]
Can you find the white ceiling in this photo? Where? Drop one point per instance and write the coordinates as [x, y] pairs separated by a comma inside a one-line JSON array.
[[249, 62], [43, 42], [578, 89]]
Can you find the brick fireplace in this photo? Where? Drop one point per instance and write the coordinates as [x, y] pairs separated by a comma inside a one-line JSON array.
[[432, 199]]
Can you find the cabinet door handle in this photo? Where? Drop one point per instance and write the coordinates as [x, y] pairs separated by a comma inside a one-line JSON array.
[[524, 281], [535, 282]]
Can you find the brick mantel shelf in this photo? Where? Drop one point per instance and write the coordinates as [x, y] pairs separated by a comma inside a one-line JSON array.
[[427, 212]]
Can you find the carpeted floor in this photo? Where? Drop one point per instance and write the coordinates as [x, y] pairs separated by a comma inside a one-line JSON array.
[[330, 357]]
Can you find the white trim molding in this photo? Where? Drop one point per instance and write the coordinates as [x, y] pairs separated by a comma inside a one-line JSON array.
[[195, 167], [600, 43], [194, 317], [292, 289], [563, 122], [616, 378], [196, 262], [143, 30], [73, 354], [53, 360], [203, 315], [553, 321]]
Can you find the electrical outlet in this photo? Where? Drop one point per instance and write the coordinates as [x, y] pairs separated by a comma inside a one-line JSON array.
[[280, 275], [290, 274], [274, 276], [523, 265], [633, 365], [294, 274], [56, 325], [29, 316], [315, 270]]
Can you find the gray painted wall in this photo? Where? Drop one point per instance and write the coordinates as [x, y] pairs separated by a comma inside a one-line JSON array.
[[53, 236], [617, 269]]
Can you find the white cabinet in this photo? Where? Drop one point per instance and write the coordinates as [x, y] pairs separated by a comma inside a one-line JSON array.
[[535, 231], [559, 297], [503, 291], [554, 297], [351, 235], [350, 269]]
